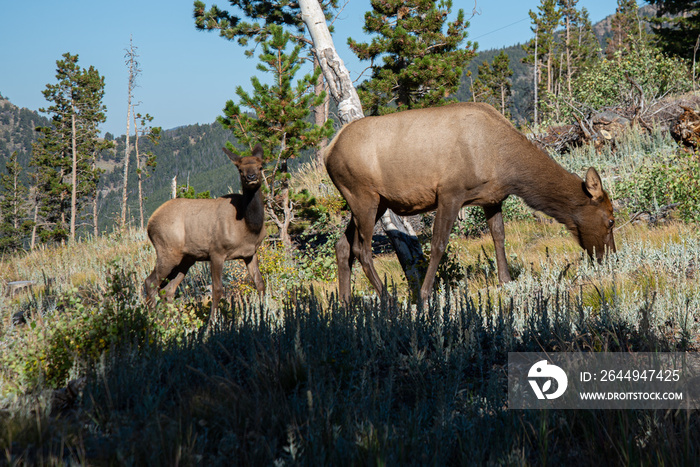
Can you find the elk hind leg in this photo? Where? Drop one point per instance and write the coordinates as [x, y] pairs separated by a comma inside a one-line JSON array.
[[442, 226], [156, 281], [150, 288], [494, 218], [362, 246], [345, 259], [175, 277]]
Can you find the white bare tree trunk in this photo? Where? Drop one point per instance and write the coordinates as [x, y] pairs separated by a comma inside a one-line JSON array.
[[133, 72], [342, 90], [320, 115], [125, 195], [138, 169], [35, 225], [334, 70]]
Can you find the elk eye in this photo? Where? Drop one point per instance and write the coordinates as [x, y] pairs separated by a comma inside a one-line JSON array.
[[611, 222]]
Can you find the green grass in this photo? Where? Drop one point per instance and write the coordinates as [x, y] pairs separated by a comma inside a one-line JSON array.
[[302, 379]]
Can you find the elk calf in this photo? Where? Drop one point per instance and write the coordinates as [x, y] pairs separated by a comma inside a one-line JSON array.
[[184, 231]]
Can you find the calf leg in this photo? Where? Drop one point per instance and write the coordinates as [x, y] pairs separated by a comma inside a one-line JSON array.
[[254, 271], [217, 283], [165, 268], [494, 217], [175, 277]]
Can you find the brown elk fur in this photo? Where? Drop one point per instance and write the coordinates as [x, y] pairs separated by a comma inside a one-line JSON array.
[[184, 231], [444, 158]]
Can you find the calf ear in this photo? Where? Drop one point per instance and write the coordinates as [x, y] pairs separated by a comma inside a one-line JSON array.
[[235, 158], [258, 151], [593, 185]]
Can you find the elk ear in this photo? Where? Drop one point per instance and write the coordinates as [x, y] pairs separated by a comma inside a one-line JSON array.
[[258, 151], [593, 185], [235, 158]]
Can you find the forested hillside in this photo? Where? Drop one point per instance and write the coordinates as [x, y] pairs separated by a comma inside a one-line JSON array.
[[17, 133], [192, 153], [521, 101]]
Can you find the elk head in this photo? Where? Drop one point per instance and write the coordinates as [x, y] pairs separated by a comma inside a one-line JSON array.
[[596, 220], [250, 167]]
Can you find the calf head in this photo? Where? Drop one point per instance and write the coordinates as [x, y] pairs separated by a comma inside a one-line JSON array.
[[249, 167]]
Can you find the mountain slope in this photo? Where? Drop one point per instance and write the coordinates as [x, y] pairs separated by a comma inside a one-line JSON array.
[[17, 133]]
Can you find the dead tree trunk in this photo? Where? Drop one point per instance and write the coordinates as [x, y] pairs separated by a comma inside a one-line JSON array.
[[138, 171], [133, 73], [320, 115], [404, 241], [95, 229], [122, 222]]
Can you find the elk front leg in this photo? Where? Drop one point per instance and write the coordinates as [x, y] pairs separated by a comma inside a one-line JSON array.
[[494, 217], [254, 271], [217, 284]]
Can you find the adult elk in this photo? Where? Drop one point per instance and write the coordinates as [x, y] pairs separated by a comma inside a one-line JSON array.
[[447, 157], [184, 231]]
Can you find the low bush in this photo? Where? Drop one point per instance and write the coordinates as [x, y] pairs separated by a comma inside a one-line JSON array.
[[673, 180]]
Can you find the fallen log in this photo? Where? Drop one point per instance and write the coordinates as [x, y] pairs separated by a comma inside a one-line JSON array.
[[686, 130]]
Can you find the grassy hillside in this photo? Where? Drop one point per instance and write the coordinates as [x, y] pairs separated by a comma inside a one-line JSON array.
[[89, 376]]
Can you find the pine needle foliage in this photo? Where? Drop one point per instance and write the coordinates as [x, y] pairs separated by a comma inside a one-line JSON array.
[[277, 118], [494, 85], [417, 56], [76, 111], [13, 210]]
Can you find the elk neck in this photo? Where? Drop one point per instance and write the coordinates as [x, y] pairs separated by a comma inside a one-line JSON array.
[[546, 186], [254, 210]]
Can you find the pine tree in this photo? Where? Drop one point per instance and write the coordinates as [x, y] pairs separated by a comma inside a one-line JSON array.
[[585, 48], [258, 14], [542, 53], [577, 45], [564, 45], [627, 28], [545, 25], [677, 27], [14, 224], [493, 84], [65, 155], [420, 64], [280, 122], [254, 23]]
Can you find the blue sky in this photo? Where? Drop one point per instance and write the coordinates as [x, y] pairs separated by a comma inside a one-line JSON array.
[[187, 74]]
